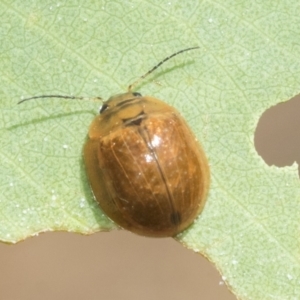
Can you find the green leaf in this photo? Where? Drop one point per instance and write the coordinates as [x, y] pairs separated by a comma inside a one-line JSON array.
[[248, 61]]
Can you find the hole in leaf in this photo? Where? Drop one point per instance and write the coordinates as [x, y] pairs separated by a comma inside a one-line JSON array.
[[277, 136]]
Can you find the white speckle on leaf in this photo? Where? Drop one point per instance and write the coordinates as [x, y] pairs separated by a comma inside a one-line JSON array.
[[289, 276], [65, 146], [210, 20], [82, 202]]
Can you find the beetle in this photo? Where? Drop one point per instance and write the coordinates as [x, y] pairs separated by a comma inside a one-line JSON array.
[[145, 167]]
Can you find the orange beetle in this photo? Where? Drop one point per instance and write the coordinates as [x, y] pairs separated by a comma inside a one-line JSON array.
[[145, 167]]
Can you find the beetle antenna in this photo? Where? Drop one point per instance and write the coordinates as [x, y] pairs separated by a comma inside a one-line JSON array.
[[130, 87], [56, 96]]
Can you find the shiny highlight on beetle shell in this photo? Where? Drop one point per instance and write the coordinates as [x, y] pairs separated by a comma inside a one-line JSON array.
[[146, 168]]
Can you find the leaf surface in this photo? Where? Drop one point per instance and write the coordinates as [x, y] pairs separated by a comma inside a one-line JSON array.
[[248, 61]]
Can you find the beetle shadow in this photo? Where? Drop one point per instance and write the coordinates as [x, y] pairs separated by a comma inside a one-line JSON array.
[[84, 179], [88, 194], [47, 118], [87, 190], [160, 73]]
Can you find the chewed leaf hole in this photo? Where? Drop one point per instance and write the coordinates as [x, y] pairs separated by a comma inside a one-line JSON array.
[[277, 136]]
